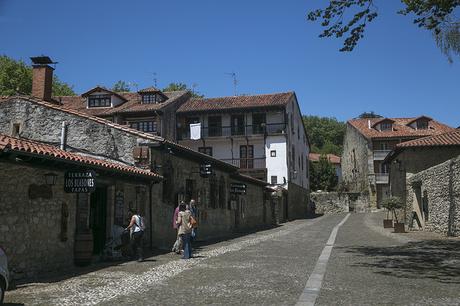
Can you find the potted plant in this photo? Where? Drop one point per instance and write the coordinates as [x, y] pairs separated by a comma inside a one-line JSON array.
[[391, 204]]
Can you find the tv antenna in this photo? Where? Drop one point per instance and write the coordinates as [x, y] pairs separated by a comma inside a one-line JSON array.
[[235, 81], [155, 80]]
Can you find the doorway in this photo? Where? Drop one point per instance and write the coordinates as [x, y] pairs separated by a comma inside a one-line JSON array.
[[247, 157], [98, 218]]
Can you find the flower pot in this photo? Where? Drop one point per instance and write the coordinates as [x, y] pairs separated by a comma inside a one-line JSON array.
[[399, 227], [387, 223]]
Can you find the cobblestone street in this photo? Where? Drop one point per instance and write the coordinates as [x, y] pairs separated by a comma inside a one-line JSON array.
[[367, 266]]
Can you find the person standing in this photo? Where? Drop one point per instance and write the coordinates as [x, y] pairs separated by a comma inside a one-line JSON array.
[[136, 227], [194, 211], [185, 230], [177, 247]]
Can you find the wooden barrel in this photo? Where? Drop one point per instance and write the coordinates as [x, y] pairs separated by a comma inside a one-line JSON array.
[[83, 249]]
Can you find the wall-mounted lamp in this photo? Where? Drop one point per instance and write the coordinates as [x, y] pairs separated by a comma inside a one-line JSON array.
[[50, 179]]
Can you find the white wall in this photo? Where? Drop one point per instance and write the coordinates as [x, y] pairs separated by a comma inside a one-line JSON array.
[[297, 139], [276, 166]]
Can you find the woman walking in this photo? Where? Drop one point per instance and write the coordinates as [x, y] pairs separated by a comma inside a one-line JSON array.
[[185, 230]]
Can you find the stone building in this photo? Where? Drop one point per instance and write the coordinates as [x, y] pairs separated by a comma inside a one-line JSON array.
[[366, 144], [41, 220], [409, 158], [434, 196]]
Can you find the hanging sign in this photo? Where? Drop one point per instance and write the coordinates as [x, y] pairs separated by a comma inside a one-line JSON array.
[[205, 170], [238, 188], [80, 181]]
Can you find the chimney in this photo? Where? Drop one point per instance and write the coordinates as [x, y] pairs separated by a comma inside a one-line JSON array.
[[42, 77]]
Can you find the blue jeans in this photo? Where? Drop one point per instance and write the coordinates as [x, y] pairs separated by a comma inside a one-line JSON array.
[[187, 245]]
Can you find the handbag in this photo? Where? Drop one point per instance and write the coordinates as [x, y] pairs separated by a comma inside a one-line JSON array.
[[193, 222]]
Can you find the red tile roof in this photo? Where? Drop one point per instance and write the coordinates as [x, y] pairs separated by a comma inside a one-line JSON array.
[[129, 130], [8, 143], [334, 159], [238, 102], [451, 138], [401, 128], [132, 105]]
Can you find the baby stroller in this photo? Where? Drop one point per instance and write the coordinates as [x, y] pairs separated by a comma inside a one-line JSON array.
[[118, 245]]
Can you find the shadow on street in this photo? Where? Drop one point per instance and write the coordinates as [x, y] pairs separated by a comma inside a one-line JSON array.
[[435, 259]]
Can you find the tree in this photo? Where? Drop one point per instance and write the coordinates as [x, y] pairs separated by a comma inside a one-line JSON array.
[[370, 114], [181, 86], [322, 175], [16, 78], [325, 134], [121, 86], [352, 16]]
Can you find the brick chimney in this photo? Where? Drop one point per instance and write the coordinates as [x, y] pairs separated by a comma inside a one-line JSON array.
[[42, 77]]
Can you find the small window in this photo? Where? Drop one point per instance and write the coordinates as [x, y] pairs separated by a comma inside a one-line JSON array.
[[422, 125], [205, 150], [144, 126], [386, 126], [273, 153], [99, 101], [150, 98], [274, 180], [16, 129]]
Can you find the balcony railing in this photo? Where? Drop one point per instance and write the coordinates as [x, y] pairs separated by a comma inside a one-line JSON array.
[[237, 130], [381, 154], [382, 178], [247, 163]]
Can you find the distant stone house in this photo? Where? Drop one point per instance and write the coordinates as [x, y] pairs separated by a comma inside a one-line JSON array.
[[417, 180], [368, 141]]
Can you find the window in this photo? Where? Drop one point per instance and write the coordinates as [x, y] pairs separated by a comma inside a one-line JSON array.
[[247, 157], [422, 125], [237, 124], [273, 153], [384, 146], [205, 150], [99, 101], [274, 180], [215, 125], [16, 129], [144, 126], [258, 123], [386, 126], [149, 98]]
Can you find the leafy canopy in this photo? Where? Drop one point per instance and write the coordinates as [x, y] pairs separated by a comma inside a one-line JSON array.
[[350, 17], [370, 114], [322, 175], [181, 86], [121, 86], [16, 77], [325, 134]]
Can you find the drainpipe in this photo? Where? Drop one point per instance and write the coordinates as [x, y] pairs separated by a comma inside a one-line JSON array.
[[63, 136]]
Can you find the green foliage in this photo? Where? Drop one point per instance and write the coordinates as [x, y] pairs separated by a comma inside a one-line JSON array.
[[182, 86], [325, 134], [392, 204], [350, 17], [370, 114], [322, 175], [16, 78], [121, 86], [448, 40]]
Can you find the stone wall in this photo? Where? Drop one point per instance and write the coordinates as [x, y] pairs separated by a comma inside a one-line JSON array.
[[355, 160], [31, 215], [297, 201], [330, 202], [438, 189], [414, 160]]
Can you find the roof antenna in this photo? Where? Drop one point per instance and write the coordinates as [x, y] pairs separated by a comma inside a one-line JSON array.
[[235, 81], [155, 80]]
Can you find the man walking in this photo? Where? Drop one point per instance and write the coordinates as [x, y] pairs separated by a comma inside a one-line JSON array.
[[136, 227]]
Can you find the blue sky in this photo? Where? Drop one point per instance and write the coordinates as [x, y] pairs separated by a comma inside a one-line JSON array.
[[396, 70]]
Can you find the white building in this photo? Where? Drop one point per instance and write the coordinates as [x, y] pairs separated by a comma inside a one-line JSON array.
[[263, 135]]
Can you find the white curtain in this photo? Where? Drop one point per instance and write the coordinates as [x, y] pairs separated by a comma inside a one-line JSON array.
[[195, 131]]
